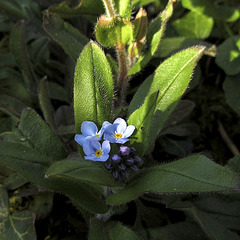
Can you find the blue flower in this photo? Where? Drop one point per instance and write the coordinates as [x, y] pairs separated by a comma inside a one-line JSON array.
[[118, 132], [89, 133], [97, 152]]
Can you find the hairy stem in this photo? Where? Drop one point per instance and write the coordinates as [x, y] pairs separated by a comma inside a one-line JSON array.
[[110, 12], [227, 140], [123, 71]]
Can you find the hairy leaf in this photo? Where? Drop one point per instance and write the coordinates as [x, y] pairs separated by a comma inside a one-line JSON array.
[[82, 170], [93, 87], [191, 174], [19, 51], [111, 231], [39, 136], [171, 79], [67, 36], [33, 167]]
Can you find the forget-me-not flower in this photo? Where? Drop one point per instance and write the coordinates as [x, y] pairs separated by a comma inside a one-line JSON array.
[[97, 152], [89, 133], [118, 132]]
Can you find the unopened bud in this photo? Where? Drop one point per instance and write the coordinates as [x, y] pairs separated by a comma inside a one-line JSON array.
[[113, 31], [140, 26]]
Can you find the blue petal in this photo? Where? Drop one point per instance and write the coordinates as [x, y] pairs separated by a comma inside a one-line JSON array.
[[90, 158], [80, 139], [103, 158], [109, 138], [106, 147], [122, 125], [93, 138], [110, 130], [96, 145], [105, 125], [88, 149], [89, 128], [129, 131], [121, 140]]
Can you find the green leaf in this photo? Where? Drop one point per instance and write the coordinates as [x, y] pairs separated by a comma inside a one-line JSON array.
[[19, 226], [214, 220], [12, 85], [124, 8], [82, 170], [182, 110], [12, 10], [178, 148], [228, 55], [142, 119], [93, 87], [19, 51], [212, 9], [58, 92], [39, 136], [191, 174], [14, 181], [234, 163], [45, 103], [171, 79], [11, 106], [194, 25], [4, 204], [154, 35], [231, 88], [69, 9], [110, 230], [141, 3], [177, 231], [33, 167], [64, 34], [172, 45]]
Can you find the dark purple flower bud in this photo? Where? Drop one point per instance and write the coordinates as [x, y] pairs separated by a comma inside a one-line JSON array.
[[122, 166], [124, 150], [108, 165], [125, 174], [129, 161], [137, 160], [115, 174], [116, 158], [134, 168], [133, 151]]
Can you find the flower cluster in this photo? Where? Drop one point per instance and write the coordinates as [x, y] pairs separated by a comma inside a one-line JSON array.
[[118, 132], [119, 164]]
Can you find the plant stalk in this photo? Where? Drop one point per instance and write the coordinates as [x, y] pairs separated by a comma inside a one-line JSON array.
[[110, 12], [123, 71]]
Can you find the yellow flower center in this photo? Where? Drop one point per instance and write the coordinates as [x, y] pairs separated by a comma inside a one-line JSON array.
[[98, 153], [118, 135], [97, 135]]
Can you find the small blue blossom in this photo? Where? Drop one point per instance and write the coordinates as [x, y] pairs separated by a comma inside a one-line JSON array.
[[118, 132], [89, 133], [97, 152]]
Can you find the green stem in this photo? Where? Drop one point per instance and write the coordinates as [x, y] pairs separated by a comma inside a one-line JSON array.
[[123, 71], [110, 12]]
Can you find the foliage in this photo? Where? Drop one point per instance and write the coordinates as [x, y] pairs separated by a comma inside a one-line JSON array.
[[159, 79]]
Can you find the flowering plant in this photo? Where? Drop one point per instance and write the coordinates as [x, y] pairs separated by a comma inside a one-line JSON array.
[[111, 138]]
